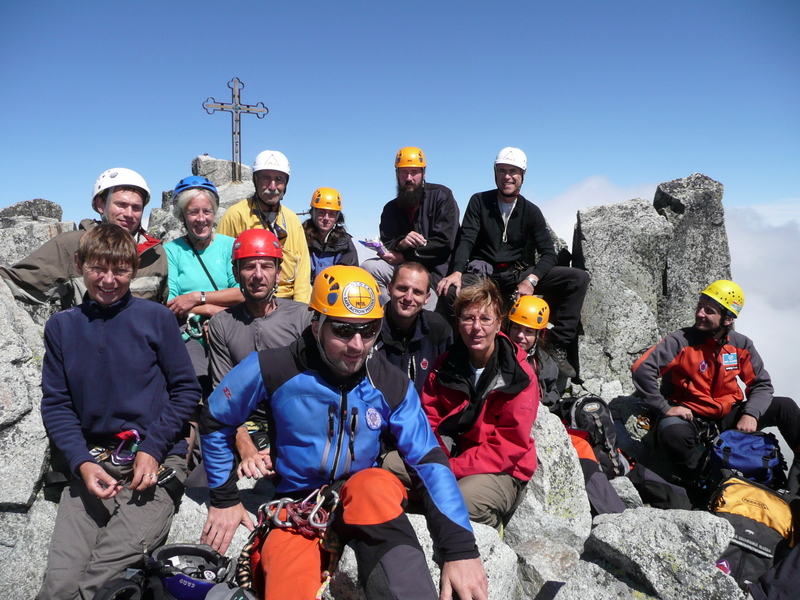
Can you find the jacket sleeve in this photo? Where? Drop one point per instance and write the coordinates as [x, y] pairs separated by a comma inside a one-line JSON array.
[[509, 440], [650, 367], [758, 384], [537, 226], [350, 256], [442, 231], [58, 411], [445, 511], [230, 404], [470, 227], [219, 357], [297, 246], [36, 278], [183, 390]]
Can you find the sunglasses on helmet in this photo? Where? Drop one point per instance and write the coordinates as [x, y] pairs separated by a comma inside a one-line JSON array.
[[345, 331]]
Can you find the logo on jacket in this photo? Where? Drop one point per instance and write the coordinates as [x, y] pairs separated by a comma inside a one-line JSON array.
[[374, 419], [730, 359], [423, 364], [358, 298], [703, 366]]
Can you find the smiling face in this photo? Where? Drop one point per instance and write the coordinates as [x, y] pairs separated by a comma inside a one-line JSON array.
[[270, 187], [346, 355], [198, 216], [710, 316], [478, 326], [508, 179], [408, 293], [106, 284], [123, 208], [325, 219]]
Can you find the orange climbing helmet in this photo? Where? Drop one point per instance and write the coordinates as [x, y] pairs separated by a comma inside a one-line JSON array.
[[346, 292]]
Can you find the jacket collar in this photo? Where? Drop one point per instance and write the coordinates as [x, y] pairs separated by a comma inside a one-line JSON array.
[[503, 369]]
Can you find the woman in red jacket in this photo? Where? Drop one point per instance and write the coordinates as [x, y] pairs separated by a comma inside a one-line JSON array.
[[481, 400]]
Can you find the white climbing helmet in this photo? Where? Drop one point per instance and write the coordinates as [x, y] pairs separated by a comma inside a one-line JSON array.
[[272, 160], [119, 177], [512, 156]]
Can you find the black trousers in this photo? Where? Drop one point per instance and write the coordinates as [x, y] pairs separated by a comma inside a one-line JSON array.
[[680, 439], [563, 288]]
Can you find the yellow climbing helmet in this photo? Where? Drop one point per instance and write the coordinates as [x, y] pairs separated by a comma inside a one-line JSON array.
[[530, 311], [327, 198], [727, 294], [349, 292], [410, 156]]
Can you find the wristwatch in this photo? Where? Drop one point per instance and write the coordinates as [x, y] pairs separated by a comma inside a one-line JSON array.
[[532, 278], [202, 297]]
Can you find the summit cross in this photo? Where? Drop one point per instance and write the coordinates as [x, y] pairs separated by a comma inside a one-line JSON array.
[[236, 108]]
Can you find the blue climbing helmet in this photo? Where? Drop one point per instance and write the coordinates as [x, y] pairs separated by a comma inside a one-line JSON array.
[[195, 181]]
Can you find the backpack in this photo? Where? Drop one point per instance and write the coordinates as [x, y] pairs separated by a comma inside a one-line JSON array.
[[763, 527], [755, 456], [592, 414]]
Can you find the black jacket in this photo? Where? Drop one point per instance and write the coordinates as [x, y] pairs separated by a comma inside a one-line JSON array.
[[431, 337], [481, 235], [437, 221]]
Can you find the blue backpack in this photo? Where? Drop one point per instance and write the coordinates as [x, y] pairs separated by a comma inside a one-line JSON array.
[[755, 456]]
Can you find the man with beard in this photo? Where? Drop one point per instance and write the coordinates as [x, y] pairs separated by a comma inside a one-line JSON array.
[[264, 211], [332, 401], [410, 337], [262, 321], [499, 231], [49, 274], [699, 368], [421, 224]]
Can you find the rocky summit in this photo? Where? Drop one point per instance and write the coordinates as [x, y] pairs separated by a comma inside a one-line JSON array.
[[647, 267]]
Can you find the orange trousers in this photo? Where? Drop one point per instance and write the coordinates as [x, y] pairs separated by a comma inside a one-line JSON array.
[[292, 564]]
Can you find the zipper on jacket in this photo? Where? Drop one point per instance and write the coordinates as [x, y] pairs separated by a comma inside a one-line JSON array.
[[340, 440], [353, 430], [327, 451]]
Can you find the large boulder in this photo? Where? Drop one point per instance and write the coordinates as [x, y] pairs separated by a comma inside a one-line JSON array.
[[671, 554], [648, 265], [33, 209], [555, 506], [698, 252], [623, 247]]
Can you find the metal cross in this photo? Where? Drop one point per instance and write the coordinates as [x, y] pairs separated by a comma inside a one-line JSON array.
[[236, 108]]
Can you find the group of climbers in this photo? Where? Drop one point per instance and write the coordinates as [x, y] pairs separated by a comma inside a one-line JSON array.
[[297, 365]]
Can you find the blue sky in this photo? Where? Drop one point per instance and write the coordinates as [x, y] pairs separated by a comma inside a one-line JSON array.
[[608, 99], [633, 92]]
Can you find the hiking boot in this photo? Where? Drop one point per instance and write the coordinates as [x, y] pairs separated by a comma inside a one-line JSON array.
[[559, 354]]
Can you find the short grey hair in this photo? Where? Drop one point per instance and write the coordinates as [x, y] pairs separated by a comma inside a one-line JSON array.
[[183, 199]]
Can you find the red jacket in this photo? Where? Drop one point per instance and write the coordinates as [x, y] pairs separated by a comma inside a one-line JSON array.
[[492, 434], [701, 374]]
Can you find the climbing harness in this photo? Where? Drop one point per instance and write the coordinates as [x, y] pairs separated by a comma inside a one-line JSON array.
[[310, 517]]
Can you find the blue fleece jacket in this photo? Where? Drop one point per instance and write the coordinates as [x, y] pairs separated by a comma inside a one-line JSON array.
[[112, 369]]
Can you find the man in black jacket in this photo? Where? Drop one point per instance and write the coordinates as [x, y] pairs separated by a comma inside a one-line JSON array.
[[500, 228], [420, 224], [412, 338]]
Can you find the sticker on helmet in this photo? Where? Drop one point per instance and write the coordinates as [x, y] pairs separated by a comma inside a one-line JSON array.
[[358, 298], [373, 418]]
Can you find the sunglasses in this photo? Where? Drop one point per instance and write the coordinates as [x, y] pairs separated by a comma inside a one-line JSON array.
[[347, 330]]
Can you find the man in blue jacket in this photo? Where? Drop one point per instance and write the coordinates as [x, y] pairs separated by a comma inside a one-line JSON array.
[[330, 401], [118, 388]]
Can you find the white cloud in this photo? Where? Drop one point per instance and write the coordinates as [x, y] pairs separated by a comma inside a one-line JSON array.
[[561, 211]]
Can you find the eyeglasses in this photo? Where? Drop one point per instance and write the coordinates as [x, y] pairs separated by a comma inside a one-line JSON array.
[[483, 320], [346, 331], [118, 272]]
